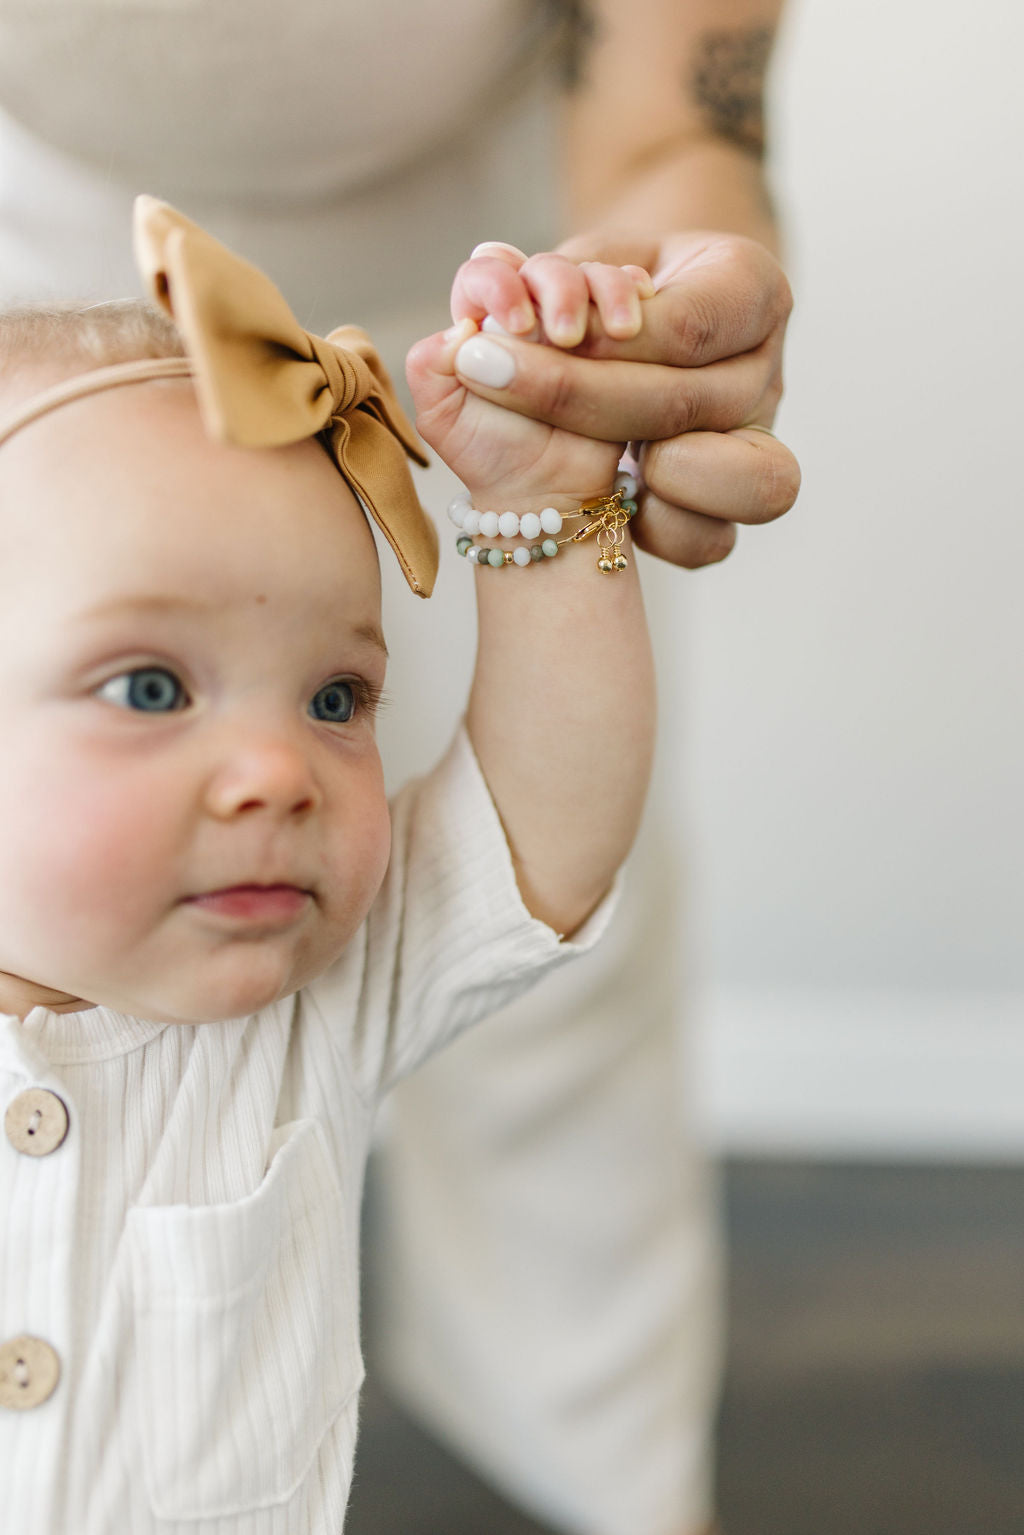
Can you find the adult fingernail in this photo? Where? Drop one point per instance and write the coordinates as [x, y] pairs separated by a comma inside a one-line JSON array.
[[485, 362], [489, 245]]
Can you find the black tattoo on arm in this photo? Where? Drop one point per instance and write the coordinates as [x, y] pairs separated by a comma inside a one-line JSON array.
[[727, 84], [579, 29]]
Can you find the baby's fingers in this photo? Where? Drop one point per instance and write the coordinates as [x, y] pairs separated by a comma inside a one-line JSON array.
[[574, 298], [560, 296], [588, 297], [430, 371], [490, 284], [615, 292]]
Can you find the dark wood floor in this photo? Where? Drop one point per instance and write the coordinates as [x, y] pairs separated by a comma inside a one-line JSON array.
[[876, 1371]]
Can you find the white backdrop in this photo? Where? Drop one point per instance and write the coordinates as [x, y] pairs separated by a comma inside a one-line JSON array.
[[856, 740]]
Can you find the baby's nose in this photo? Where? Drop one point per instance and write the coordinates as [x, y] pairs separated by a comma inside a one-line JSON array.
[[269, 773]]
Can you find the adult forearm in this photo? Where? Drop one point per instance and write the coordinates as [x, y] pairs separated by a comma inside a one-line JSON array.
[[664, 151], [664, 125], [699, 184]]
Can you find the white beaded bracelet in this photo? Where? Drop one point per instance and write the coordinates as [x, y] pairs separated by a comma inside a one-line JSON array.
[[606, 516], [504, 524], [468, 520]]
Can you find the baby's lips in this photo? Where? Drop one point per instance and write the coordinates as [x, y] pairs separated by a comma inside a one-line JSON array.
[[271, 904]]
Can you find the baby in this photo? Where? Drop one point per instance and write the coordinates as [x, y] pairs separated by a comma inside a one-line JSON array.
[[218, 949]]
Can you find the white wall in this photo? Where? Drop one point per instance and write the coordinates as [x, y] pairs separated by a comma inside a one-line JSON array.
[[857, 742]]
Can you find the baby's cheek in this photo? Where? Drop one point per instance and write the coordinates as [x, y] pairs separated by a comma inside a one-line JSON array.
[[354, 862], [95, 848], [361, 854]]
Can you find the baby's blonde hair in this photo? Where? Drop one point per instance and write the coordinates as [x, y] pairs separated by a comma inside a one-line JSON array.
[[73, 339]]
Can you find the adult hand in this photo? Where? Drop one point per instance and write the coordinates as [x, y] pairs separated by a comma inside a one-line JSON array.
[[704, 365]]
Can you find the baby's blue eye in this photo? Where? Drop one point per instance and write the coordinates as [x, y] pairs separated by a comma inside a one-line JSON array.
[[334, 702], [150, 689]]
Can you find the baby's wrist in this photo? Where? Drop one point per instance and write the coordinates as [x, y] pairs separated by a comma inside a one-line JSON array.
[[526, 493], [499, 501], [486, 498], [523, 537]]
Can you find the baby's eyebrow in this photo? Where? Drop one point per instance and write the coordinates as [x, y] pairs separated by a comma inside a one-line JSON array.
[[372, 634], [172, 602], [159, 602]]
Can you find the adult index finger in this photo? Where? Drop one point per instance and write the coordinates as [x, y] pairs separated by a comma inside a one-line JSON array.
[[618, 401], [718, 295]]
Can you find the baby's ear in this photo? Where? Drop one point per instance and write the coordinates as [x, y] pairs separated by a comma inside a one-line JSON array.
[[430, 370]]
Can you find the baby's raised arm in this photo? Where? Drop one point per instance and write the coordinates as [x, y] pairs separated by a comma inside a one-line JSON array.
[[561, 710]]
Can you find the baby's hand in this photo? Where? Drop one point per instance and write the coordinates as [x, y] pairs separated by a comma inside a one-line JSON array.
[[549, 298], [506, 460]]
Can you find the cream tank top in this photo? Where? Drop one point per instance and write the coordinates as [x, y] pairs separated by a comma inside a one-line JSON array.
[[356, 151]]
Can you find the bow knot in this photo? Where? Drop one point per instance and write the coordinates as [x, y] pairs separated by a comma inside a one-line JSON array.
[[263, 381], [347, 377]]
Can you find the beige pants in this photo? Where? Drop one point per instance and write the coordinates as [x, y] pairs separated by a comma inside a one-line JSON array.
[[547, 1277]]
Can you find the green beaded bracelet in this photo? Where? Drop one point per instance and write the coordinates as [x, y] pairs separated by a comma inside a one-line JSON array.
[[607, 516], [496, 558]]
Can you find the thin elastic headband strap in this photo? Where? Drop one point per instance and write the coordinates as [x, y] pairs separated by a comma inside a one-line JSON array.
[[95, 382]]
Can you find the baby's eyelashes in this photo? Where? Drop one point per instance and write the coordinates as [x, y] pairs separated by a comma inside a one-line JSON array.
[[158, 690], [346, 698], [147, 689]]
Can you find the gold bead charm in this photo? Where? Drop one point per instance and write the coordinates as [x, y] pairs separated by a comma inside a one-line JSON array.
[[607, 517]]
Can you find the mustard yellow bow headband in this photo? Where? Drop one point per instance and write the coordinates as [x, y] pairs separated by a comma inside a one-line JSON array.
[[263, 381]]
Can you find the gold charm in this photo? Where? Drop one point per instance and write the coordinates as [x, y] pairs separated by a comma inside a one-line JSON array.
[[607, 518]]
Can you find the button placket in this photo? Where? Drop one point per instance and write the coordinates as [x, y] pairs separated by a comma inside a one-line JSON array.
[[36, 1124]]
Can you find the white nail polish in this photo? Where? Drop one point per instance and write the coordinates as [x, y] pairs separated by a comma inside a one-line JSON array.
[[489, 245], [485, 362]]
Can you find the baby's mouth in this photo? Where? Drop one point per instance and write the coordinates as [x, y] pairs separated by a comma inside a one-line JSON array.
[[268, 905]]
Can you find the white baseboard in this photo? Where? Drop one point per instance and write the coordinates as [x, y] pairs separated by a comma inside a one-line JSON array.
[[882, 1075]]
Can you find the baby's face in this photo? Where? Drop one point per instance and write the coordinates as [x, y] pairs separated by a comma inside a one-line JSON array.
[[192, 811]]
